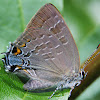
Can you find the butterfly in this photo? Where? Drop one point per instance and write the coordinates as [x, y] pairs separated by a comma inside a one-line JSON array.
[[45, 53]]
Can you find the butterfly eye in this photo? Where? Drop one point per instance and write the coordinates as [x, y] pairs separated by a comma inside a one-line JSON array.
[[16, 51]]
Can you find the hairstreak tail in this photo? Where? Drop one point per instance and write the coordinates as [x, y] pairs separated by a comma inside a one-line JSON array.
[[46, 53]]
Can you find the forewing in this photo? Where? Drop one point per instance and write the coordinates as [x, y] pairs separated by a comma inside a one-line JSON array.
[[48, 37]]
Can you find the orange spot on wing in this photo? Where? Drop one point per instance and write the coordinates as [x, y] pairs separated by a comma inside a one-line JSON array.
[[18, 51], [28, 40], [19, 67], [23, 45], [25, 71]]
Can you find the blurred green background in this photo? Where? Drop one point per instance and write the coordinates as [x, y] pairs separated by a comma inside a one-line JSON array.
[[83, 20]]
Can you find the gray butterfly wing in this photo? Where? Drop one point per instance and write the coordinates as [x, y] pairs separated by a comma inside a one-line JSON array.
[[49, 40]]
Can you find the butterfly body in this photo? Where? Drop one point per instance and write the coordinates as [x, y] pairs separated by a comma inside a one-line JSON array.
[[45, 53]]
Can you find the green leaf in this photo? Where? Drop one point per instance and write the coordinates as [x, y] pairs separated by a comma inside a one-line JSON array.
[[15, 15]]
